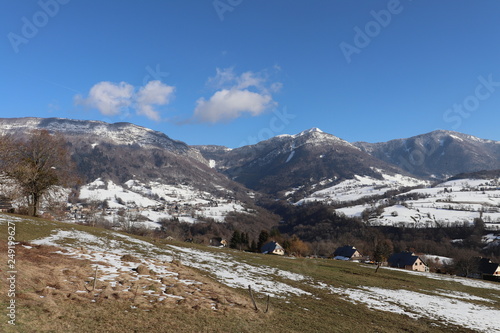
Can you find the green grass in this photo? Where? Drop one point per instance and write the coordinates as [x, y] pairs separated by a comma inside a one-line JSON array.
[[324, 312]]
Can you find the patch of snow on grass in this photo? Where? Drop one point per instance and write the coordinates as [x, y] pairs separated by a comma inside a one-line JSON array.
[[418, 305], [223, 266], [464, 296], [455, 308], [240, 275], [475, 283]]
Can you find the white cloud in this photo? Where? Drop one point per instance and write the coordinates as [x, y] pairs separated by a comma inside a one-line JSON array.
[[226, 78], [250, 79], [227, 105], [113, 99], [222, 78], [109, 98], [237, 95], [153, 93]]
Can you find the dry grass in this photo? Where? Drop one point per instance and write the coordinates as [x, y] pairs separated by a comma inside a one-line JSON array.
[[55, 293]]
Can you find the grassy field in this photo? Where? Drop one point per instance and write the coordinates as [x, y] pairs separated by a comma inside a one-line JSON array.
[[193, 288]]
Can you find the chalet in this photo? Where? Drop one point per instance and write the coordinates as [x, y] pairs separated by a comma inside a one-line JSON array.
[[407, 260], [489, 270], [273, 248], [218, 242], [347, 252]]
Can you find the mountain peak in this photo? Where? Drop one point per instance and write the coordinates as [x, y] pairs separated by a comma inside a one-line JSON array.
[[305, 132], [315, 136], [311, 130]]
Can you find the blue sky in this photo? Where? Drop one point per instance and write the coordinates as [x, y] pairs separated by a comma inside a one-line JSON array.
[[234, 72]]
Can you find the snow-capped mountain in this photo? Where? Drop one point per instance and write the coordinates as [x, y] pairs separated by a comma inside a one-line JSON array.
[[297, 163], [123, 151], [439, 154], [131, 166], [124, 134]]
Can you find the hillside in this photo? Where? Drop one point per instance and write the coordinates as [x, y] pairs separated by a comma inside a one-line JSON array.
[[454, 202], [124, 151], [132, 167], [438, 155], [153, 285]]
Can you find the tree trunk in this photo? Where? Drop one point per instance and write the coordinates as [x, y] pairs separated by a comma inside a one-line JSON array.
[[33, 204]]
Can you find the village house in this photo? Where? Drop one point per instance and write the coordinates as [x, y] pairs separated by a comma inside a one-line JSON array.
[[347, 252], [273, 248], [218, 242], [489, 270], [407, 260]]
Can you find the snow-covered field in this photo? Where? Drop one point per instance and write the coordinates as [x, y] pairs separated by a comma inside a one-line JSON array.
[[457, 308], [157, 201], [450, 308], [361, 187], [452, 203]]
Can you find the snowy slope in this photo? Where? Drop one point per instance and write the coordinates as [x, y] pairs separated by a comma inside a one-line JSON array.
[[157, 201], [451, 203], [361, 187]]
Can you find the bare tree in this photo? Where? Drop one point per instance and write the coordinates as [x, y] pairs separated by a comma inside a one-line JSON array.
[[36, 163], [466, 262]]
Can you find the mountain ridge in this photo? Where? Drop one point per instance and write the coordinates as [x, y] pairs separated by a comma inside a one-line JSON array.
[[122, 133], [438, 154], [276, 165], [130, 165]]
